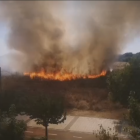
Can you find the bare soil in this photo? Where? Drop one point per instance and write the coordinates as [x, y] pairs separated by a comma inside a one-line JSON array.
[[113, 114]]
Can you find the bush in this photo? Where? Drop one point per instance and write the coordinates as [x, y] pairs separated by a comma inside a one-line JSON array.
[[133, 132], [104, 134], [83, 105], [10, 128], [121, 82], [133, 117]]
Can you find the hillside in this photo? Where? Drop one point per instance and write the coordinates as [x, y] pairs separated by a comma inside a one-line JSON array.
[[128, 56]]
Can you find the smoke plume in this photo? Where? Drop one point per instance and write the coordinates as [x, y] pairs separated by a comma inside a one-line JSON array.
[[80, 37]]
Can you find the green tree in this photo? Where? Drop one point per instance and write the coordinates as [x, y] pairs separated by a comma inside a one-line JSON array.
[[133, 117], [10, 127], [121, 82], [46, 109], [134, 111]]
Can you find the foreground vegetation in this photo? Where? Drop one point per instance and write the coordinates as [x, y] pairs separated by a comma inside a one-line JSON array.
[[122, 82], [45, 109], [10, 127]]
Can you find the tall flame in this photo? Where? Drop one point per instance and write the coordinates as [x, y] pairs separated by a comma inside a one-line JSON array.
[[62, 77]]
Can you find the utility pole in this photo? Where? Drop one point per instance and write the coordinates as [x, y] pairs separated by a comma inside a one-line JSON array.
[[0, 82]]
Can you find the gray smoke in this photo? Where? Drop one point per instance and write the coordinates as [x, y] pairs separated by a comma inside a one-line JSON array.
[[80, 37]]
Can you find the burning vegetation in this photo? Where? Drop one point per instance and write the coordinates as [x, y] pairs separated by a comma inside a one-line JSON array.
[[62, 76]]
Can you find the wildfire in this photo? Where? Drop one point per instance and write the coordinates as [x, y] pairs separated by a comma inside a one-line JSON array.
[[62, 77]]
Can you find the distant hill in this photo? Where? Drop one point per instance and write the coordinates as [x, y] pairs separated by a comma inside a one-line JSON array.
[[128, 56]]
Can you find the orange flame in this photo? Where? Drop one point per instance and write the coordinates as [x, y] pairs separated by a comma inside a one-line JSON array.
[[62, 77]]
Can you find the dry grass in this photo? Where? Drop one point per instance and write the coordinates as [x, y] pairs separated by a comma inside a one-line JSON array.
[[93, 102], [85, 98], [86, 95]]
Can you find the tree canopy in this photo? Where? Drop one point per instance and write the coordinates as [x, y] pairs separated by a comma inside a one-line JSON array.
[[10, 127], [133, 117], [46, 109], [121, 82]]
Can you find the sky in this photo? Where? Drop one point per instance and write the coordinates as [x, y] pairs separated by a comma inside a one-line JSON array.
[[133, 46]]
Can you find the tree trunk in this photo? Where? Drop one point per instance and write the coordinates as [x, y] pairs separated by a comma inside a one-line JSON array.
[[46, 131]]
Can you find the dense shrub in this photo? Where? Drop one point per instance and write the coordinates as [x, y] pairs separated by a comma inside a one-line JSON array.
[[121, 82], [133, 117], [10, 128]]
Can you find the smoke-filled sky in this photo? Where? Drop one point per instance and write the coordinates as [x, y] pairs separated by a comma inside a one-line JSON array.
[[81, 37]]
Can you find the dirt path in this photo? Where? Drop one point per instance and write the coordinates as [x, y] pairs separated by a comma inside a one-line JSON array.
[[114, 114]]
